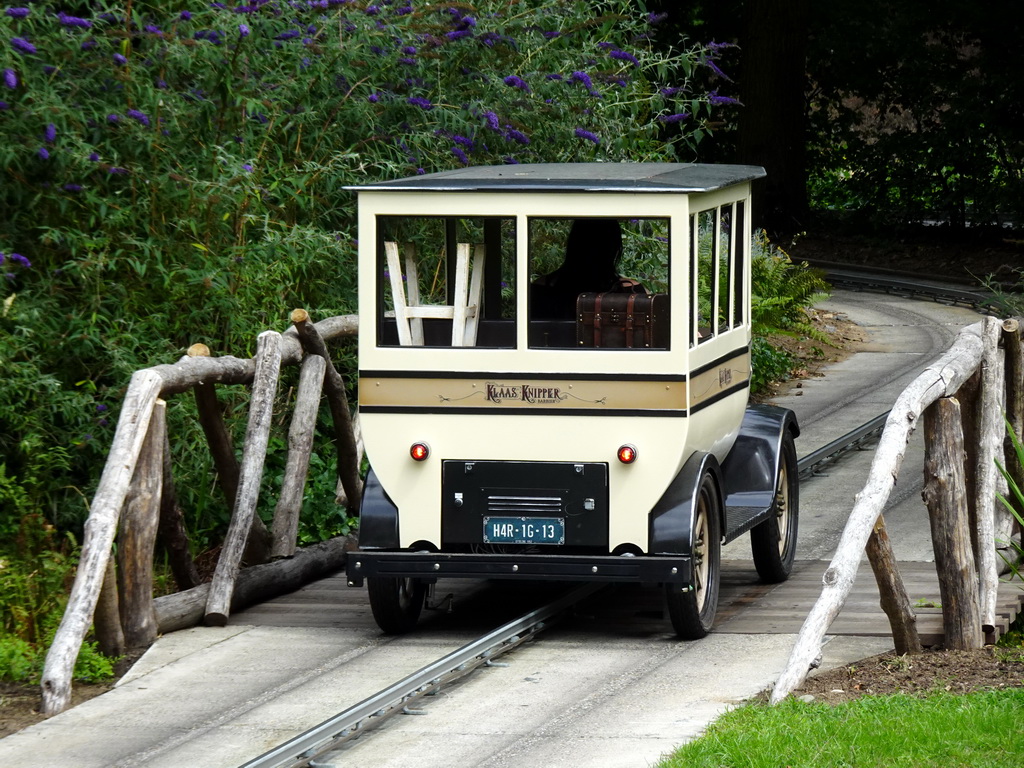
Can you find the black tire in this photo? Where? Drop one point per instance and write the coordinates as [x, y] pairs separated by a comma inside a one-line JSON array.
[[692, 610], [773, 542], [396, 603]]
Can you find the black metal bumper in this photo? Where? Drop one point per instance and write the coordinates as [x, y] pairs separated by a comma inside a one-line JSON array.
[[430, 566]]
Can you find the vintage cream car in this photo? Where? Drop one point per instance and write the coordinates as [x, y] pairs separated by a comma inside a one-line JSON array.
[[554, 368]]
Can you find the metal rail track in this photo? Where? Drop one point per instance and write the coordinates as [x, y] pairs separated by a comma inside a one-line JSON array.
[[313, 747]]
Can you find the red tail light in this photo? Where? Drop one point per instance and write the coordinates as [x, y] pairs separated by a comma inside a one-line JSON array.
[[419, 451], [627, 454]]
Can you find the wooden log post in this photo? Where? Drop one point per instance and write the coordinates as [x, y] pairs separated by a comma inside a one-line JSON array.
[[992, 429], [132, 425], [222, 451], [171, 531], [941, 378], [136, 538], [969, 397], [254, 452], [107, 617], [1013, 339], [300, 445], [334, 386], [891, 590], [946, 498]]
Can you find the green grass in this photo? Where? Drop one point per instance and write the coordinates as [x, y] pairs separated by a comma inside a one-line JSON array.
[[942, 730]]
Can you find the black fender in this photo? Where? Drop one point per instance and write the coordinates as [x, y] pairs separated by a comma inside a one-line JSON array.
[[752, 466], [378, 516], [670, 523]]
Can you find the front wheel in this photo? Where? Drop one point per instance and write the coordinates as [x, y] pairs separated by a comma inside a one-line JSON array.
[[396, 603], [773, 542], [692, 608]]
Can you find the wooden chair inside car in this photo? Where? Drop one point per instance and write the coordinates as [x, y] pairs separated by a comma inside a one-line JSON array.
[[410, 313]]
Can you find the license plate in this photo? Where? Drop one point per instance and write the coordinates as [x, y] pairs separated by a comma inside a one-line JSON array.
[[524, 530]]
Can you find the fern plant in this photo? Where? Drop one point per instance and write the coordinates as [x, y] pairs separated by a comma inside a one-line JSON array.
[[1014, 502], [782, 292]]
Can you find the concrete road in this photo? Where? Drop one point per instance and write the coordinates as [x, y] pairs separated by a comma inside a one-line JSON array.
[[593, 692]]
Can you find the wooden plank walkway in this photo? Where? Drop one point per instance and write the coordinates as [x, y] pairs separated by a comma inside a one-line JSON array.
[[746, 606]]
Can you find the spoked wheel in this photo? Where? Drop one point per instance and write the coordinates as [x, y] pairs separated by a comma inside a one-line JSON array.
[[693, 611], [396, 603], [773, 542]]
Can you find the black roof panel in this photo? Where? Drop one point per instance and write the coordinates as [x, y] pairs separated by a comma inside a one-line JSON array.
[[577, 177]]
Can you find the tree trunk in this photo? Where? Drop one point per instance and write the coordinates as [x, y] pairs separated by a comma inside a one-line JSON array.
[[300, 445], [941, 378], [773, 81], [945, 496], [334, 386], [254, 452], [258, 583], [132, 426], [136, 539], [892, 592]]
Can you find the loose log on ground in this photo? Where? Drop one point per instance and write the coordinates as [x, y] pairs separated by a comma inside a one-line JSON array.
[[261, 406], [258, 583], [991, 441], [334, 387], [136, 537], [171, 532], [941, 378], [945, 496], [300, 445], [892, 592], [107, 618], [98, 538]]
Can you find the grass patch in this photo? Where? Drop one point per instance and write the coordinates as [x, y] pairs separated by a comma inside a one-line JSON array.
[[979, 729]]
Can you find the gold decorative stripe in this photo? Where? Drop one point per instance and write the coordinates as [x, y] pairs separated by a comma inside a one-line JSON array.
[[725, 376], [518, 393]]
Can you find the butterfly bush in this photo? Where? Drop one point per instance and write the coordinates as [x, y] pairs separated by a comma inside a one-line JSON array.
[[177, 176]]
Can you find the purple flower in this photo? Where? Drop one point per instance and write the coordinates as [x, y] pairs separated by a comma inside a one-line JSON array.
[[656, 18], [243, 30], [492, 120], [88, 45], [153, 29], [72, 187], [583, 134], [185, 16], [552, 35], [670, 91], [714, 98], [677, 118], [710, 64], [246, 167], [100, 408], [43, 153], [51, 133], [10, 79], [582, 77], [291, 33], [455, 34], [138, 116], [119, 59], [17, 258], [22, 45], [112, 118], [514, 135], [419, 101], [409, 50], [373, 98], [468, 143], [94, 157], [625, 56], [114, 171], [516, 82], [17, 13], [4, 105], [73, 21], [460, 155]]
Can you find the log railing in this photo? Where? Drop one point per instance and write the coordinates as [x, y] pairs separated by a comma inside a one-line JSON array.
[[135, 498], [965, 534]]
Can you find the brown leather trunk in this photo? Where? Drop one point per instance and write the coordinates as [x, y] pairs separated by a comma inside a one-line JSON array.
[[622, 320]]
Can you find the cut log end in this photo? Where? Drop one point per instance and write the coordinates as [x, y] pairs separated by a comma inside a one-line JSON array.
[[299, 316], [198, 350], [216, 619]]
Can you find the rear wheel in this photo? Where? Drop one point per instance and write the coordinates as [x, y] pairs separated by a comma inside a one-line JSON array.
[[692, 609], [396, 603], [773, 542]]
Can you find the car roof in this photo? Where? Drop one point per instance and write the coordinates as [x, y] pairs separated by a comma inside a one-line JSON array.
[[576, 177]]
